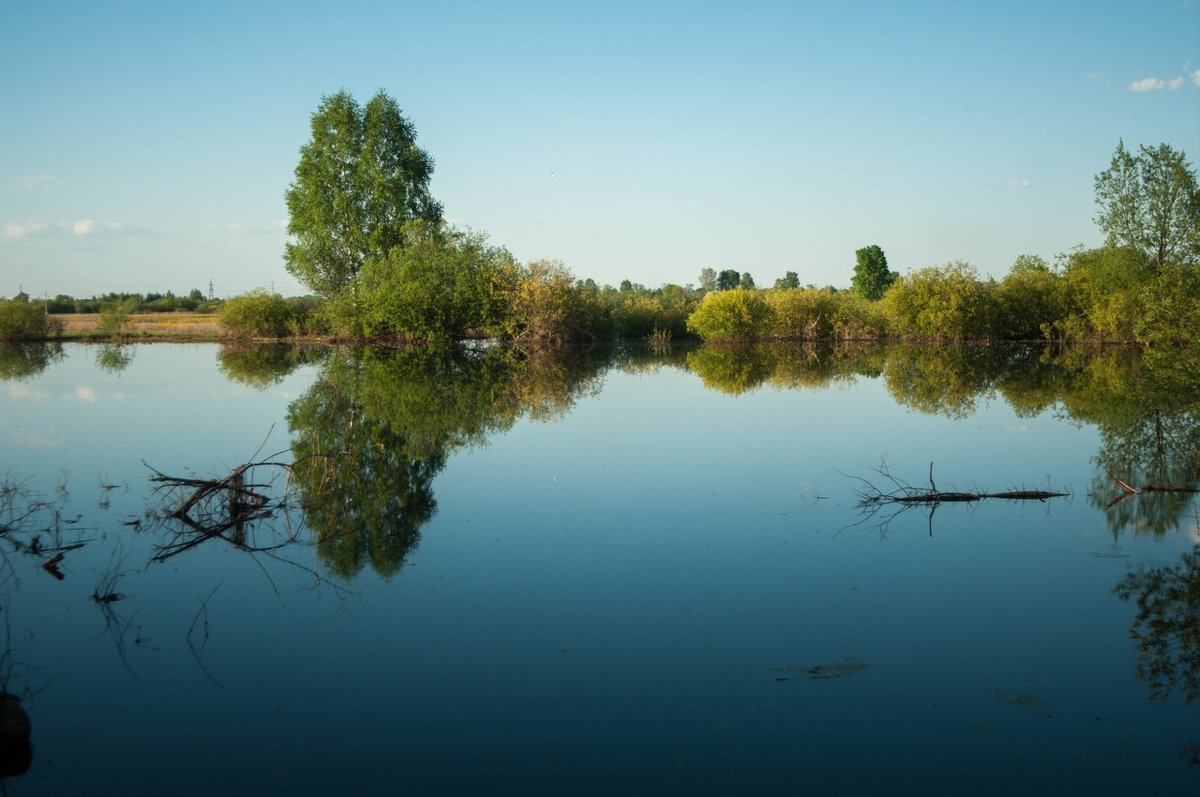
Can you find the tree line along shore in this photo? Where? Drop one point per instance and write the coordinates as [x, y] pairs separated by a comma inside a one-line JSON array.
[[382, 264]]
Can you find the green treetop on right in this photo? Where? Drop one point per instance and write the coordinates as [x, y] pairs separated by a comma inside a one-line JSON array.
[[1150, 203]]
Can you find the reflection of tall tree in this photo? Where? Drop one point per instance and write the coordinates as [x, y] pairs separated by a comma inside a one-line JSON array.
[[1148, 412], [25, 360], [362, 491], [1166, 629], [378, 426]]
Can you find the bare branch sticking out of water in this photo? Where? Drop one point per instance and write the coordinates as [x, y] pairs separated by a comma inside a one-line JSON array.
[[903, 496]]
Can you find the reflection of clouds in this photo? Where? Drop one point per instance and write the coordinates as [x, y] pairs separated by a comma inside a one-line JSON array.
[[1016, 427], [25, 392], [84, 393], [32, 440]]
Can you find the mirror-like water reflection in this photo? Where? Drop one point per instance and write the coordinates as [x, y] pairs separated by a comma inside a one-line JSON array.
[[309, 569]]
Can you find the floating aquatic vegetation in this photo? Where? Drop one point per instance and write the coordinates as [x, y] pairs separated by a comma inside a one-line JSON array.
[[841, 669], [1019, 699]]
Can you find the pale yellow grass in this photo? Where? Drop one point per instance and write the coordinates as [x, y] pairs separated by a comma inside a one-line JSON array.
[[145, 325]]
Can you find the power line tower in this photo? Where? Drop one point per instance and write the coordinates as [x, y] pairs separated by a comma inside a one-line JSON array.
[[210, 290]]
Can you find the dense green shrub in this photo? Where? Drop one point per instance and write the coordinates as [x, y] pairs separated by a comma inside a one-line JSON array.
[[1171, 303], [1105, 297], [947, 302], [736, 315], [23, 320], [643, 314], [1030, 301], [260, 314], [441, 285]]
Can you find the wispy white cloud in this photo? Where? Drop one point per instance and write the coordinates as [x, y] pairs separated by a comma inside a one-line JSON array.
[[251, 228], [1020, 183], [22, 229], [30, 182], [1146, 84], [82, 228], [1196, 78], [1158, 84]]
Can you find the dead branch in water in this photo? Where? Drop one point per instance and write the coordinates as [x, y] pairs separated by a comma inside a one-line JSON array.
[[905, 496], [905, 493]]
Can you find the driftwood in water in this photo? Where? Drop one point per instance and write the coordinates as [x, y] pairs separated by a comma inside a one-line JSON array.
[[904, 496], [905, 493]]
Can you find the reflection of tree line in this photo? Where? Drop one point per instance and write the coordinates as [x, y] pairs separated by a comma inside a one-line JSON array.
[[425, 404]]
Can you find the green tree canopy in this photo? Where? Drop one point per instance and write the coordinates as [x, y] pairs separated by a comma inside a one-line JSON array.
[[789, 280], [1150, 202], [360, 178], [871, 276], [728, 279]]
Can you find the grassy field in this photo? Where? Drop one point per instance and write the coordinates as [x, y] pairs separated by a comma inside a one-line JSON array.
[[184, 326]]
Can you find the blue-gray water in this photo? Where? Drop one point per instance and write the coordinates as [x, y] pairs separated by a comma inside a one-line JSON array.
[[623, 572]]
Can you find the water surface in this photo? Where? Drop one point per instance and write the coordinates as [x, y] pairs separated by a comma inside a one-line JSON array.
[[616, 570]]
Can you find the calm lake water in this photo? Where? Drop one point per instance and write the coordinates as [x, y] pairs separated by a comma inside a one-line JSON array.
[[619, 571]]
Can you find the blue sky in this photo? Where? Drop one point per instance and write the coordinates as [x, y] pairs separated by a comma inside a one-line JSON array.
[[147, 147]]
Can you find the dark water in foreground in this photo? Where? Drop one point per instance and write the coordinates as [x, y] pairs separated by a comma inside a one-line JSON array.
[[617, 571]]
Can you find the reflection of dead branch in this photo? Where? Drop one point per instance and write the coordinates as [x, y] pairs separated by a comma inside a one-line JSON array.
[[250, 509], [200, 623], [105, 595], [26, 518], [227, 508], [1128, 492], [904, 496]]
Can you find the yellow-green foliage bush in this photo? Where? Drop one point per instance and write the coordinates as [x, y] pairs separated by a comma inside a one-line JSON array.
[[947, 302], [546, 307], [822, 314], [732, 316], [259, 314]]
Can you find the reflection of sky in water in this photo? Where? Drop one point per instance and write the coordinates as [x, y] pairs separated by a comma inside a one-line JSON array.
[[630, 597]]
